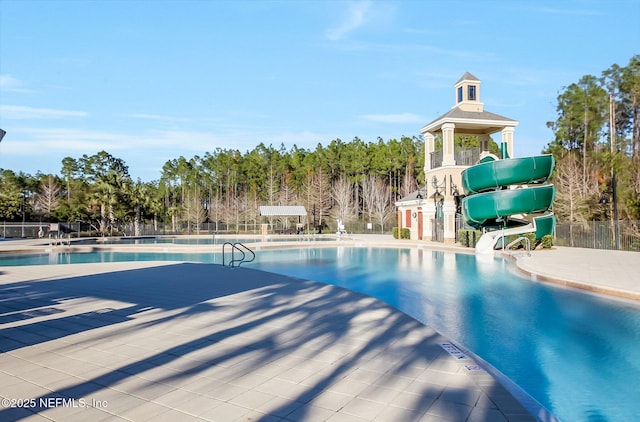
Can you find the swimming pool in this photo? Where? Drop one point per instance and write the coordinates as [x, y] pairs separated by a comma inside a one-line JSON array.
[[575, 353]]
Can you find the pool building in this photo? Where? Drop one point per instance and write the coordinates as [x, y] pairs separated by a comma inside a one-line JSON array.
[[430, 213]]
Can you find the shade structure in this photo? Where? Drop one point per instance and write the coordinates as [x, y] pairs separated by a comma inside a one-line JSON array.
[[282, 211]]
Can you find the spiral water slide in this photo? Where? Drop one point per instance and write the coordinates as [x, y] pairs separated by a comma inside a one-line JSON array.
[[510, 195]]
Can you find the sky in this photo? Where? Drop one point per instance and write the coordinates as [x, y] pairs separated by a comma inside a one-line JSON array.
[[150, 81]]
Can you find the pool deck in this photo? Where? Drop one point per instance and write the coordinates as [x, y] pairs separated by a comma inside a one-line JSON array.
[[184, 341]]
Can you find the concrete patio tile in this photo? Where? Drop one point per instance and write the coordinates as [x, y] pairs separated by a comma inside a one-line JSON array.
[[364, 375], [425, 388], [479, 414], [464, 396], [395, 414], [87, 414], [379, 394], [172, 415], [345, 417], [363, 408], [295, 375], [249, 380], [281, 407], [144, 412], [331, 400], [394, 382], [446, 409], [116, 402], [310, 413], [142, 388], [224, 391], [414, 402], [252, 399], [224, 412], [347, 386]]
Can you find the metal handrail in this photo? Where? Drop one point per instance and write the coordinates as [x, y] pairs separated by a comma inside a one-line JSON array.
[[518, 240], [241, 248]]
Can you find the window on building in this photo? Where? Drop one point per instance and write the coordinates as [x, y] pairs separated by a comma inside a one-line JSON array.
[[472, 93], [407, 220], [460, 94]]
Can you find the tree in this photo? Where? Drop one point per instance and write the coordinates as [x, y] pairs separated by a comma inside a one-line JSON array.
[[317, 195], [376, 199], [194, 213], [344, 208], [47, 200], [11, 199], [574, 197]]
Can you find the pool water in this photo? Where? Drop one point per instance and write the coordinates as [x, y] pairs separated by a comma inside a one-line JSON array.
[[575, 353]]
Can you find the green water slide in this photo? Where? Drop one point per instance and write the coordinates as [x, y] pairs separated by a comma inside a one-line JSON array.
[[492, 175], [491, 199], [485, 207]]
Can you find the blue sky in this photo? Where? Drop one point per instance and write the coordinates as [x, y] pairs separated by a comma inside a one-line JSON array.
[[149, 81]]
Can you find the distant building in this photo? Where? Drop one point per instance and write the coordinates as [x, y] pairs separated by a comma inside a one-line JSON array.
[[430, 212]]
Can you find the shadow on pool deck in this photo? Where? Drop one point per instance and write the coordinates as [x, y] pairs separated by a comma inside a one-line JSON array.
[[205, 342]]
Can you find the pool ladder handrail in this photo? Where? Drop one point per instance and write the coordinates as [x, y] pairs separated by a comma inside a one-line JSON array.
[[242, 249], [527, 244]]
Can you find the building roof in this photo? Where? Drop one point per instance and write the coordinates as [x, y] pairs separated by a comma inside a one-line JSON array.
[[489, 121], [467, 77], [282, 210], [413, 196]]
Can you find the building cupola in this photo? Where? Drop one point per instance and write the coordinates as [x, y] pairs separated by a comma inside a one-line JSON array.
[[468, 94]]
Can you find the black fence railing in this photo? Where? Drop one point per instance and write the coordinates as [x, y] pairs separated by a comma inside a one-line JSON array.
[[599, 235], [463, 157], [83, 229]]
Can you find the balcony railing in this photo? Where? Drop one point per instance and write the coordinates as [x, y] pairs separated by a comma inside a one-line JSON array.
[[462, 157]]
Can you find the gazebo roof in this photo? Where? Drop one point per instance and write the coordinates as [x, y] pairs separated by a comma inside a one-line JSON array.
[[472, 122], [282, 210], [467, 77]]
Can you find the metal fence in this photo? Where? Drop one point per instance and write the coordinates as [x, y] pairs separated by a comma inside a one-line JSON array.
[[599, 235], [592, 234], [84, 229]]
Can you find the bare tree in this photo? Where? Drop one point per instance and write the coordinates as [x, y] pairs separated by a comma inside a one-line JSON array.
[[47, 199], [409, 183], [381, 206], [286, 197], [574, 197], [318, 194], [216, 210], [344, 208], [194, 213]]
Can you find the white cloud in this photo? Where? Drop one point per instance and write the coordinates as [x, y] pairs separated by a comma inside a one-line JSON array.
[[24, 112], [557, 11], [160, 117], [355, 18], [394, 118], [10, 84]]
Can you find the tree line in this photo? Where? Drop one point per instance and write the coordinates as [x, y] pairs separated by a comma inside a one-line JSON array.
[[597, 146], [344, 180]]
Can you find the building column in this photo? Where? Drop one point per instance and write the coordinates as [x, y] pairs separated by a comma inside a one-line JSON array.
[[484, 143], [449, 209], [448, 157], [507, 137], [429, 146]]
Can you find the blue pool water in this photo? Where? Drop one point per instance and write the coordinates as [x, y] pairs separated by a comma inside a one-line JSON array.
[[575, 353]]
